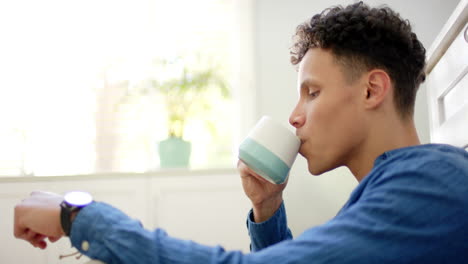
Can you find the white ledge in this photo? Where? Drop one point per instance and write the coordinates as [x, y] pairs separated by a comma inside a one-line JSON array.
[[150, 174]]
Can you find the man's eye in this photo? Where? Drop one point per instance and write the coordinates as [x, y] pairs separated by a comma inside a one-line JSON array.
[[314, 94]]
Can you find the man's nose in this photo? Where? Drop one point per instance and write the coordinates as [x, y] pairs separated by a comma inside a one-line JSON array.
[[297, 117]]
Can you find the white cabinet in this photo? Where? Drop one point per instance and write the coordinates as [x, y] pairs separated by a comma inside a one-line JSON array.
[[447, 80], [208, 207]]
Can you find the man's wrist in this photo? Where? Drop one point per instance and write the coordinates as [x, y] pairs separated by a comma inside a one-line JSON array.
[[73, 202], [266, 209]]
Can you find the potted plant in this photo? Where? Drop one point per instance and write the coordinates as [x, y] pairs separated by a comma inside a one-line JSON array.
[[185, 94]]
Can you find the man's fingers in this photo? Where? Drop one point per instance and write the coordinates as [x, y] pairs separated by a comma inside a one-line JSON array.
[[255, 175], [37, 240], [38, 244], [244, 169], [28, 234], [42, 244], [39, 237], [245, 172], [20, 232], [32, 236], [54, 239]]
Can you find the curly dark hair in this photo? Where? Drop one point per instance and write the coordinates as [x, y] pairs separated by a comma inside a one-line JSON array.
[[363, 38]]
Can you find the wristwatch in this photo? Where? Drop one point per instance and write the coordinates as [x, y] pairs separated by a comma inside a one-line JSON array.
[[73, 202]]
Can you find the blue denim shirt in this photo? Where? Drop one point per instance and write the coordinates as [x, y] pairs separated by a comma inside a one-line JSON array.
[[411, 208]]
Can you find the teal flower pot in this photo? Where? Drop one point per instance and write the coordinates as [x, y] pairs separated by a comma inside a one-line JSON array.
[[174, 152]]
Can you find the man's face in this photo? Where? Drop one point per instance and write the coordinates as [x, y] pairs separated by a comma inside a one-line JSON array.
[[329, 117]]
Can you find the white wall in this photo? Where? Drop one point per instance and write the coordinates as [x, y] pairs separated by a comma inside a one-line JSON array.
[[312, 200]]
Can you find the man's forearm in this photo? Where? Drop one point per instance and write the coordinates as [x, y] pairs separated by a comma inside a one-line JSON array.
[[266, 209]]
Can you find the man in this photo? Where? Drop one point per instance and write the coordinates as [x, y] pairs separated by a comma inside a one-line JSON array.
[[359, 70]]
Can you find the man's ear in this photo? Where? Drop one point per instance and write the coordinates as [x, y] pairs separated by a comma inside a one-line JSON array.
[[378, 85]]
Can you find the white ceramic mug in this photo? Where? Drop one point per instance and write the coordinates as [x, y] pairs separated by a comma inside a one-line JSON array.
[[270, 150]]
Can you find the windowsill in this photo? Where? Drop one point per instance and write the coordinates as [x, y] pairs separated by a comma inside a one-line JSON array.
[[157, 173]]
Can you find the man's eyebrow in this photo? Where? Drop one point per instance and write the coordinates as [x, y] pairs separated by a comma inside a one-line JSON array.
[[309, 83]]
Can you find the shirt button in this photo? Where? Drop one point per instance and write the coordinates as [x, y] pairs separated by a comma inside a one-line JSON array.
[[85, 245]]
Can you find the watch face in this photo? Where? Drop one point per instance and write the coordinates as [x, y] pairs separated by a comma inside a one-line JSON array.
[[78, 198]]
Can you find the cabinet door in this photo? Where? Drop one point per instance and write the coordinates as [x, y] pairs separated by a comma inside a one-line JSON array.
[[447, 86]]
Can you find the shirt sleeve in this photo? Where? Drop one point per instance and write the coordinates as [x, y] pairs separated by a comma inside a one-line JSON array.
[[269, 232], [104, 233]]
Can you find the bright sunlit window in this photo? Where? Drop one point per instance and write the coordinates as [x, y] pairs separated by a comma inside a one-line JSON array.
[[85, 84]]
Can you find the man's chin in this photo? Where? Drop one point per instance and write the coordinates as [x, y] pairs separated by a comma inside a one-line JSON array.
[[316, 170]]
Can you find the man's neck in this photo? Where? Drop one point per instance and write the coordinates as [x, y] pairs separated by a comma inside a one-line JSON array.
[[382, 138]]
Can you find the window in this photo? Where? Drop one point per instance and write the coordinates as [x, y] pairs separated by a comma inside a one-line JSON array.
[[68, 66]]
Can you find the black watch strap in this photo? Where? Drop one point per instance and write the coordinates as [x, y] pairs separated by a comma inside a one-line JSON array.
[[66, 211], [72, 202]]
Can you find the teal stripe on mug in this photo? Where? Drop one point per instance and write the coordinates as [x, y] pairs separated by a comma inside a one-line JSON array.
[[263, 161]]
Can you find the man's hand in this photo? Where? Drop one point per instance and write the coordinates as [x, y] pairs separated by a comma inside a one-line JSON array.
[[38, 217], [266, 197]]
